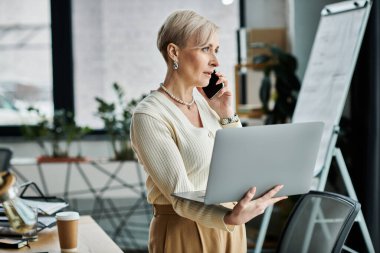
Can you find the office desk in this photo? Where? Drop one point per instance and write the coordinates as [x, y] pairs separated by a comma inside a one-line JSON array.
[[91, 238], [112, 192]]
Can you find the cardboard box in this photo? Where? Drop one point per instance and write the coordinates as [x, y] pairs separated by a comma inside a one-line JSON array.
[[273, 36]]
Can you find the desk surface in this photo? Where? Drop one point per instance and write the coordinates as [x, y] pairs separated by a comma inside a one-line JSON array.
[[91, 239]]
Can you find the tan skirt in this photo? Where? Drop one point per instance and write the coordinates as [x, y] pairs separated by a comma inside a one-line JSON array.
[[171, 233]]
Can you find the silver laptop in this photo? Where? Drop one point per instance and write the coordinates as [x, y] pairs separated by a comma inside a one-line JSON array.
[[261, 156]]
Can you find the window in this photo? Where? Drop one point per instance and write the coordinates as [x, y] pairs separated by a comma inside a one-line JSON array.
[[25, 61]]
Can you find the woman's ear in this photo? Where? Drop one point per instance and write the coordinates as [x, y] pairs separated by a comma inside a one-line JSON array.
[[173, 51]]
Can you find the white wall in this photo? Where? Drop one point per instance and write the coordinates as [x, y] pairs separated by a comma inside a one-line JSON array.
[[266, 13]]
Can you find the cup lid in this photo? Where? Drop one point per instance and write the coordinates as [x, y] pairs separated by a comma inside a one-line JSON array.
[[67, 216]]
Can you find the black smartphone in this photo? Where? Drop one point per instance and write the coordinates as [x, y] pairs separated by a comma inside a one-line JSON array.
[[212, 88]]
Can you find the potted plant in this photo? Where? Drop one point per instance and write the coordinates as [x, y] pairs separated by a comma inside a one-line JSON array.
[[59, 134], [117, 117], [286, 88]]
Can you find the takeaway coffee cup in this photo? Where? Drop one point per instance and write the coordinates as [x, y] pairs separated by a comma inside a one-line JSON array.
[[67, 223]]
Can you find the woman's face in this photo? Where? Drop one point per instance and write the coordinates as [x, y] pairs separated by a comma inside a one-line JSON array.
[[197, 63]]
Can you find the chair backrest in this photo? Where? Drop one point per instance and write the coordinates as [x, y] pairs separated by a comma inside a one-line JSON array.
[[319, 222], [5, 157]]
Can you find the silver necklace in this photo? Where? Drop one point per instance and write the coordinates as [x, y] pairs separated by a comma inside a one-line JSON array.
[[177, 99]]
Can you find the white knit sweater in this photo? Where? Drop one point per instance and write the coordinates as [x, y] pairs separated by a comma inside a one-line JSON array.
[[176, 155]]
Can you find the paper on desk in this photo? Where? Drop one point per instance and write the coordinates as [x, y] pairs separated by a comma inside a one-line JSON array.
[[46, 221], [47, 208]]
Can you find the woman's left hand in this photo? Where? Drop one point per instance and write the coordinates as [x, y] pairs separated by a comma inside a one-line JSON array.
[[247, 209], [221, 103]]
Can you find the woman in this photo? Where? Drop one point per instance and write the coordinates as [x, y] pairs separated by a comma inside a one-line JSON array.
[[173, 133]]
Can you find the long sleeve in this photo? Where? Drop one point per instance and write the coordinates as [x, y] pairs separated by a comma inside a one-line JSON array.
[[156, 144]]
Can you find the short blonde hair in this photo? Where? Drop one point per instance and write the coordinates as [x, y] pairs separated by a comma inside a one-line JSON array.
[[182, 25]]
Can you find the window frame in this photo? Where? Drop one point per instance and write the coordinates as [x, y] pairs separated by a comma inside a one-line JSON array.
[[62, 61]]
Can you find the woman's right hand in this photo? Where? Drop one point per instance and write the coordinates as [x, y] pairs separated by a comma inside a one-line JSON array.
[[247, 209]]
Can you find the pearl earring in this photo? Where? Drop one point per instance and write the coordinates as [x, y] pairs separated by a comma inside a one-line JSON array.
[[175, 65]]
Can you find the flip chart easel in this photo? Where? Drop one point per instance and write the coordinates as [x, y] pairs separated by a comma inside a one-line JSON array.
[[324, 90]]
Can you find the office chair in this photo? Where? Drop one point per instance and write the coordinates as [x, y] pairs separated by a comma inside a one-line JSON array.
[[319, 222]]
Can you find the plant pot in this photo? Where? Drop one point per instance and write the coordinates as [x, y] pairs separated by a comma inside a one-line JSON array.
[[51, 159]]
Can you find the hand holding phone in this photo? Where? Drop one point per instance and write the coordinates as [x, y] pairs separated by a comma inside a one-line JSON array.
[[212, 88]]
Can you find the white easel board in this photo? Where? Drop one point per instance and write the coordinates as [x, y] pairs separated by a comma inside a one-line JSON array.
[[330, 68]]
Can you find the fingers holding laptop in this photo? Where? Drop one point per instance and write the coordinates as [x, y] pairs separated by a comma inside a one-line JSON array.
[[246, 209]]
